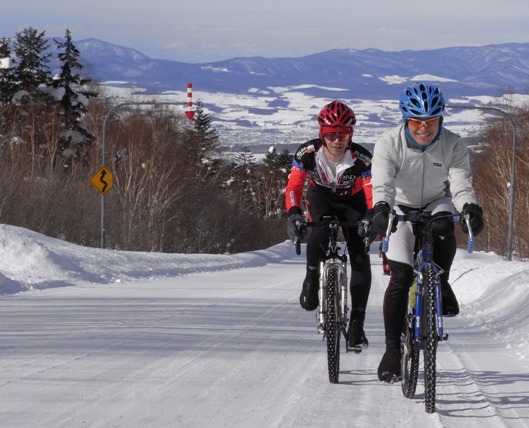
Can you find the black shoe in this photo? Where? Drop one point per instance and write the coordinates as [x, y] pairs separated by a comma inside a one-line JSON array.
[[448, 298], [356, 337], [308, 299], [389, 367]]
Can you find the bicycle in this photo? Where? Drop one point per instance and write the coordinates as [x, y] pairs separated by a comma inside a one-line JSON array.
[[423, 327], [332, 315]]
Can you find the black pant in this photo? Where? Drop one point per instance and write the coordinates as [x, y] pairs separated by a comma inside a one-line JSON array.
[[401, 279], [349, 210]]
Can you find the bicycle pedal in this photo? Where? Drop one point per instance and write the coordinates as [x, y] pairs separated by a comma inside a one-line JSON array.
[[357, 348], [391, 379]]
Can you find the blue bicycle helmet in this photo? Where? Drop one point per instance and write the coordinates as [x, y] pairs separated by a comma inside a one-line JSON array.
[[421, 101]]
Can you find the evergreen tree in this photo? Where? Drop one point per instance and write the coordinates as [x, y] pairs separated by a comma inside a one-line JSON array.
[[245, 161], [31, 70], [278, 163], [7, 75], [285, 161], [274, 178], [208, 137], [245, 171], [70, 88]]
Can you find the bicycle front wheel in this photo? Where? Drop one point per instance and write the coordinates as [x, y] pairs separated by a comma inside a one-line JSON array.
[[430, 338], [332, 327], [409, 363]]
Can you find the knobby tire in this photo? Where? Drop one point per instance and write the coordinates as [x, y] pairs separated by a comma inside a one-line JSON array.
[[409, 363], [430, 337], [332, 328]]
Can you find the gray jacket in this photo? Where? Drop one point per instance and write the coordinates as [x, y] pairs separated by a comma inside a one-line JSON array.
[[403, 175]]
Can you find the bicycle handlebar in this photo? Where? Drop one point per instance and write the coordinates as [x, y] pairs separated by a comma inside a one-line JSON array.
[[302, 226], [454, 218]]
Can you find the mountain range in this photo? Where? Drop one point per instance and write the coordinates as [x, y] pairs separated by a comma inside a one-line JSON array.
[[260, 102], [369, 73]]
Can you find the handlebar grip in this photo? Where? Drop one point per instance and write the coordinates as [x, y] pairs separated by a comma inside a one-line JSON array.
[[470, 241], [298, 246], [385, 245], [385, 239], [391, 217], [470, 245], [367, 245]]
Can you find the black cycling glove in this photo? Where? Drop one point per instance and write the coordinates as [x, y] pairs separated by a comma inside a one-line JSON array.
[[476, 218], [381, 212]]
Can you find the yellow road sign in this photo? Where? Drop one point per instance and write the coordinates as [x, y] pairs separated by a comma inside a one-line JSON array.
[[102, 180]]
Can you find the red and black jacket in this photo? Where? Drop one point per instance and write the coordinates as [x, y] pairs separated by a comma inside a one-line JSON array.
[[354, 179]]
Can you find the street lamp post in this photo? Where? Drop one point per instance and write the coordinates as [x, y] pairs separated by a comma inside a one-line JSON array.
[[512, 184], [112, 110]]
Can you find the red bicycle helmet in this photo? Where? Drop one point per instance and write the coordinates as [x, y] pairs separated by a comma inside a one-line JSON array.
[[336, 115]]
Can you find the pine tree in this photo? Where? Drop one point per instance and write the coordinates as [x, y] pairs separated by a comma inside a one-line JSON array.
[[70, 88], [31, 70], [245, 161], [7, 75], [208, 137], [278, 163], [274, 178]]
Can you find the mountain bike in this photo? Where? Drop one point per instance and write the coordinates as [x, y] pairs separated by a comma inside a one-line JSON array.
[[423, 327], [332, 314]]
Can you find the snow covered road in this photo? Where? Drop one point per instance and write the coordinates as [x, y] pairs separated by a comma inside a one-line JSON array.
[[232, 348]]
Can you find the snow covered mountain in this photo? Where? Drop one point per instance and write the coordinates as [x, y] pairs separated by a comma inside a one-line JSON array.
[[259, 102], [368, 74]]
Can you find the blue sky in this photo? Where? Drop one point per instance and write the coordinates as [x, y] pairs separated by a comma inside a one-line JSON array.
[[211, 30]]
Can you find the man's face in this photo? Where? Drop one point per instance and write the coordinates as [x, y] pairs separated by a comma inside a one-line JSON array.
[[336, 142], [424, 131]]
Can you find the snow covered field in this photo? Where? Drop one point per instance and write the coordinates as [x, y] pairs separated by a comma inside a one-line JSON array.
[[257, 121], [100, 338]]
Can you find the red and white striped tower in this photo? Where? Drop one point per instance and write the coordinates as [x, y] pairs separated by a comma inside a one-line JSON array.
[[190, 113]]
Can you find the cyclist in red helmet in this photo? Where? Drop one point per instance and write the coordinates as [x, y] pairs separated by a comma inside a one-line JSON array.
[[339, 173]]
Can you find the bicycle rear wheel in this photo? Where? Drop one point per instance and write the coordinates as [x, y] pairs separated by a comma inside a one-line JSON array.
[[430, 338], [332, 327], [409, 363]]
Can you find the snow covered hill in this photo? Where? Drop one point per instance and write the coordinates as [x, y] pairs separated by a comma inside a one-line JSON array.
[[369, 74], [103, 338], [264, 102]]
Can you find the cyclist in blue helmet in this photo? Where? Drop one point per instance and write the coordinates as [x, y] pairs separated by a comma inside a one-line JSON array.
[[419, 165]]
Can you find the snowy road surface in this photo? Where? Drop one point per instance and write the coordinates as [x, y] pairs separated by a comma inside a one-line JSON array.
[[232, 348]]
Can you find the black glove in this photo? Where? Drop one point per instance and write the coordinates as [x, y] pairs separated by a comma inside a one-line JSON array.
[[295, 224], [365, 227], [476, 218], [367, 233], [381, 212]]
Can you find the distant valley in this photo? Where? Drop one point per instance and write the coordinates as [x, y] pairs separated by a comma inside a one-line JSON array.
[[259, 102]]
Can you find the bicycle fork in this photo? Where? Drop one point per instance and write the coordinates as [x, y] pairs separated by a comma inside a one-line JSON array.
[[419, 293]]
